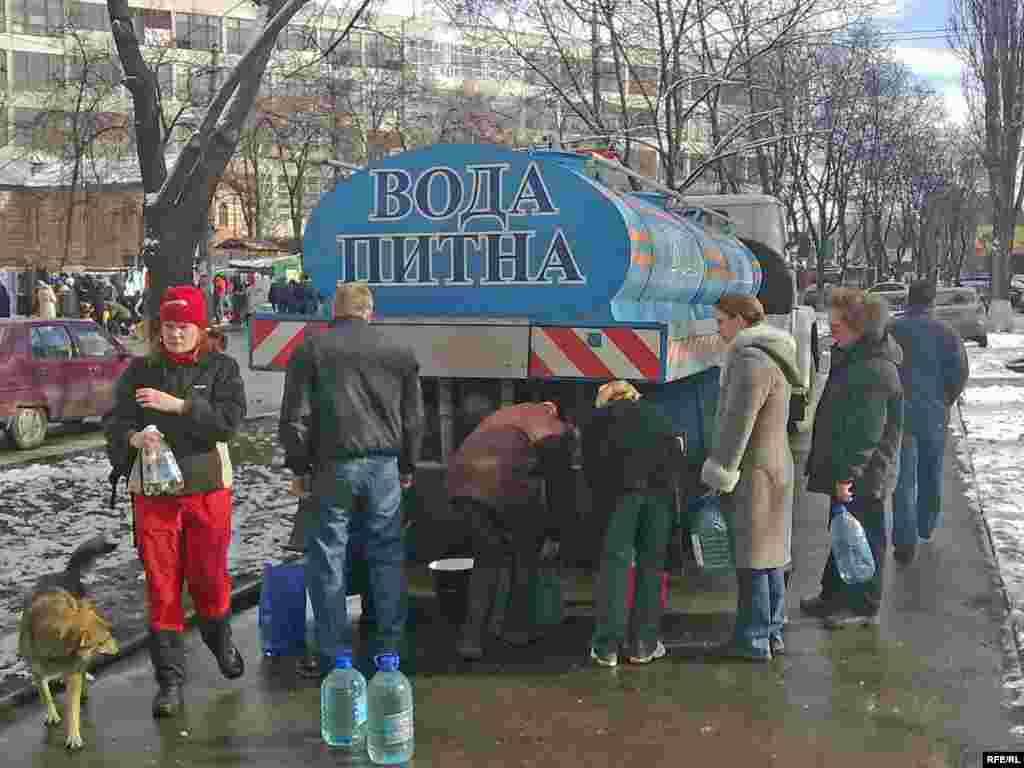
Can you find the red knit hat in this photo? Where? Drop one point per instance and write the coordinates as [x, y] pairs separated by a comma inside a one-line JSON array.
[[184, 304]]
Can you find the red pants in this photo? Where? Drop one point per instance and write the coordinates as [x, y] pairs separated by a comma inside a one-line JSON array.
[[185, 537]]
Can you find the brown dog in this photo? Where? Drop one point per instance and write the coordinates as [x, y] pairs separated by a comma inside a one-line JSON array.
[[60, 635]]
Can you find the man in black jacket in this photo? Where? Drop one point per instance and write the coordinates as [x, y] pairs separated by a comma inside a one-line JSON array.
[[934, 373], [631, 459], [352, 417]]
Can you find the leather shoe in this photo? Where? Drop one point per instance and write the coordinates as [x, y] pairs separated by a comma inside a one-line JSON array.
[[169, 700], [818, 606], [904, 554]]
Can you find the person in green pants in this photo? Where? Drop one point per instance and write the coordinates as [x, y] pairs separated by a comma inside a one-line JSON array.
[[631, 458]]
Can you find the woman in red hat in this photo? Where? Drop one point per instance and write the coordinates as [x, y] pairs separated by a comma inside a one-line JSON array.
[[195, 397]]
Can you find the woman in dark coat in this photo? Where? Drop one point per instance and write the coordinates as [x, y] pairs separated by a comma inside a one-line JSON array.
[[195, 397], [856, 444]]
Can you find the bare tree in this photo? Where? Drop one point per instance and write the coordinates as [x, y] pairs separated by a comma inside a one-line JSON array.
[[248, 178], [989, 35], [177, 203]]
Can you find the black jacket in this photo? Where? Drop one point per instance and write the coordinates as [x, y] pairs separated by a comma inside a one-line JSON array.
[[630, 445], [351, 393], [858, 425], [215, 393]]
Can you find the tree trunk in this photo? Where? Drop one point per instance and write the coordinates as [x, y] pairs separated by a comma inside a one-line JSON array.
[[175, 209]]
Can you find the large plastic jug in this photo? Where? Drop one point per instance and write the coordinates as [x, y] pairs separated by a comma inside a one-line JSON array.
[[710, 535], [850, 549], [282, 611], [343, 707], [390, 737]]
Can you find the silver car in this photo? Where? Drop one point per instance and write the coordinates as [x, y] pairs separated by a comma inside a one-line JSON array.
[[961, 308], [894, 293]]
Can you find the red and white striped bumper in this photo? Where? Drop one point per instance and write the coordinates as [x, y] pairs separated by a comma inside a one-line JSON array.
[[513, 351], [559, 352]]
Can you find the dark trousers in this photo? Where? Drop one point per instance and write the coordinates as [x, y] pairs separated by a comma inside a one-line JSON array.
[[503, 539], [863, 598]]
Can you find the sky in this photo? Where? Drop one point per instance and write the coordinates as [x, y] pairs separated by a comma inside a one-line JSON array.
[[916, 30]]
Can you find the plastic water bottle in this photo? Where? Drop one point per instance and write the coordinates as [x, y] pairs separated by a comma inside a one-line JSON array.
[[343, 706], [712, 543], [850, 548], [390, 736]]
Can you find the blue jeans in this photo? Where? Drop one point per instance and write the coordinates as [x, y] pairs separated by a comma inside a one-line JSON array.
[[760, 606], [336, 487], [917, 502]]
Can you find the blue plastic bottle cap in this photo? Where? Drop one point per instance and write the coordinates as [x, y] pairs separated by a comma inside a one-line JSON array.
[[386, 662], [343, 661]]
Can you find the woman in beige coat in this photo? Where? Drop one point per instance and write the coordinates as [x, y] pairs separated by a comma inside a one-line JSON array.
[[752, 465]]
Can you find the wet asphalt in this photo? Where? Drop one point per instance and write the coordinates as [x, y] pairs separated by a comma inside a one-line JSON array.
[[934, 685]]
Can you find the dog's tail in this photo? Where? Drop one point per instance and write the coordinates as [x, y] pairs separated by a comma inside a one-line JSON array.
[[83, 558]]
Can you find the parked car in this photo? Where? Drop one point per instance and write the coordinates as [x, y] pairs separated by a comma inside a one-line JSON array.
[[61, 370], [894, 293], [963, 310]]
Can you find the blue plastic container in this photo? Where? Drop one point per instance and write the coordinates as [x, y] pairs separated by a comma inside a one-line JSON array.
[[282, 612]]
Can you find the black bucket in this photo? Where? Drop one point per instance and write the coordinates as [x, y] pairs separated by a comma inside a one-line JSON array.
[[451, 584]]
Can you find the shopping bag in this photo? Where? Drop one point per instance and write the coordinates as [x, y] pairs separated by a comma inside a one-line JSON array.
[[161, 475], [851, 551], [282, 611]]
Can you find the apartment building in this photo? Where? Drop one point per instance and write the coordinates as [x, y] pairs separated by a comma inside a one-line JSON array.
[[413, 80]]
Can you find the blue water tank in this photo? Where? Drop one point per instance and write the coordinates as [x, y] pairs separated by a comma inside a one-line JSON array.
[[483, 231]]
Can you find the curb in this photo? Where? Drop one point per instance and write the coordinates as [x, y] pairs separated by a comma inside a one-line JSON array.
[[1011, 631], [242, 597]]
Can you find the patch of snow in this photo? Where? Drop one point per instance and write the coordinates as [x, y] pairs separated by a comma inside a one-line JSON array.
[[994, 442]]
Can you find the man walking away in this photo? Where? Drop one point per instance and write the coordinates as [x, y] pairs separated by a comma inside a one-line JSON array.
[[934, 373], [352, 416]]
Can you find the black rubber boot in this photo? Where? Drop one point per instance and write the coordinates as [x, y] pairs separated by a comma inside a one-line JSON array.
[[483, 584], [217, 636], [167, 652]]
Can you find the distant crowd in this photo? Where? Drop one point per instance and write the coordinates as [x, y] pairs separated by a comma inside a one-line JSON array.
[[117, 301]]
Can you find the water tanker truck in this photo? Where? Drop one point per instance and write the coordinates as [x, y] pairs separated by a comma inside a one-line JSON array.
[[538, 275]]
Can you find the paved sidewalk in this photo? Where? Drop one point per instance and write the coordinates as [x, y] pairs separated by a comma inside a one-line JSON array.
[[924, 689]]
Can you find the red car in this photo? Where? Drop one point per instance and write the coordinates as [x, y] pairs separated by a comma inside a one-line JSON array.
[[55, 370]]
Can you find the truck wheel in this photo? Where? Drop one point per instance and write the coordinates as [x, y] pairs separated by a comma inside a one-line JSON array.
[[28, 428]]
